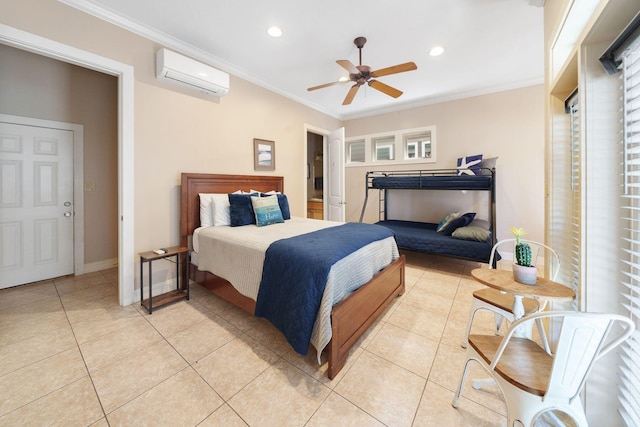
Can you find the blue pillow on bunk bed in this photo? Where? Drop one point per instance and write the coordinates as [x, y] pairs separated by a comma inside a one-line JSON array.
[[469, 165], [446, 221], [461, 221]]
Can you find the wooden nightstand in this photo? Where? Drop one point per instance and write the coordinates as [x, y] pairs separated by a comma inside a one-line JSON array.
[[179, 293]]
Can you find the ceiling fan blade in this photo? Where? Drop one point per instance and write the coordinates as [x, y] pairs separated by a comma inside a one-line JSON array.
[[347, 65], [323, 86], [384, 88], [400, 68], [351, 94]]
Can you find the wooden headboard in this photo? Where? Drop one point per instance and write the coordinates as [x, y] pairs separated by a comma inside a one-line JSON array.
[[195, 183]]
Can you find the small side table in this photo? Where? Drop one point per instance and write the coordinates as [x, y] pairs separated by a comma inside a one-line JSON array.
[[169, 297]]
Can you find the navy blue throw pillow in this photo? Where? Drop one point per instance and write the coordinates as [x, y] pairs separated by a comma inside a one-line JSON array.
[[461, 221], [241, 210], [284, 205]]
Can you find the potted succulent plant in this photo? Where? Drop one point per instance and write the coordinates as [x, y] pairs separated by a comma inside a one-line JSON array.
[[523, 271]]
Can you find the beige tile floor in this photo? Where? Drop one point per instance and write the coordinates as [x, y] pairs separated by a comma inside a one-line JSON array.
[[71, 356]]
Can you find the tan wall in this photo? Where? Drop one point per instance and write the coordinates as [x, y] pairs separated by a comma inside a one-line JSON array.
[[175, 132], [43, 88], [508, 124]]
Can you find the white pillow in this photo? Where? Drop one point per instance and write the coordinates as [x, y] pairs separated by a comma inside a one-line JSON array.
[[221, 210], [206, 213], [212, 203], [263, 192]]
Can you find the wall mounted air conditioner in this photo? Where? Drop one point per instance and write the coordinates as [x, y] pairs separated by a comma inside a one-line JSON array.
[[177, 69]]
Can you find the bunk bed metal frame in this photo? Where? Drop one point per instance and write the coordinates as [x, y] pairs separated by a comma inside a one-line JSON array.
[[431, 179]]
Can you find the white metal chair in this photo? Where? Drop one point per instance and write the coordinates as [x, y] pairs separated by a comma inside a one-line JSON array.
[[501, 303], [531, 378]]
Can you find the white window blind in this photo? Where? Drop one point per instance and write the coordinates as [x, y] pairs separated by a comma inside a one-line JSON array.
[[574, 244], [629, 390]]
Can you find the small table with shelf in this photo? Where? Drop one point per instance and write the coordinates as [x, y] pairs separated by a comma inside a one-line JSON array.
[[544, 289], [168, 297]]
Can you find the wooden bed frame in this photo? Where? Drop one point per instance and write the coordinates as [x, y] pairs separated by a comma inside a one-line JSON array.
[[349, 319]]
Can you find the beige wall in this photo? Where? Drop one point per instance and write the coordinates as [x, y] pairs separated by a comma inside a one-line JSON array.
[[507, 124], [175, 132], [43, 88]]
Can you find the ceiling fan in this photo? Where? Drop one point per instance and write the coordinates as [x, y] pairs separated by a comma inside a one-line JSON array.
[[362, 74]]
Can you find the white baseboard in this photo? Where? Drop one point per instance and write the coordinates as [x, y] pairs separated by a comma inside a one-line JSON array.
[[100, 265]]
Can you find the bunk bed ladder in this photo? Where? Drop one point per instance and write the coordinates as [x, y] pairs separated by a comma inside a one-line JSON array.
[[382, 205]]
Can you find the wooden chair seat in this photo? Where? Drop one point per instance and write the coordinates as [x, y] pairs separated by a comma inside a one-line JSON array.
[[524, 363], [504, 301]]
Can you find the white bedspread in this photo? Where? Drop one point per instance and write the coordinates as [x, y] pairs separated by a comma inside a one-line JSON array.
[[237, 254]]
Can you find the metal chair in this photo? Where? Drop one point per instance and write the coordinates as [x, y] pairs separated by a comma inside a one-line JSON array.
[[501, 303], [533, 380]]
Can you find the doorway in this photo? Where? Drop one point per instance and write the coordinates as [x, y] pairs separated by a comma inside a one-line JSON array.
[[332, 158], [315, 175], [124, 73]]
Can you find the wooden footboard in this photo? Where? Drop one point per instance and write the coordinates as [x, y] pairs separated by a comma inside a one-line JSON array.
[[349, 319], [352, 317]]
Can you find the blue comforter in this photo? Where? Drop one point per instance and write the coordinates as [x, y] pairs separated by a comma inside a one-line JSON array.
[[295, 273]]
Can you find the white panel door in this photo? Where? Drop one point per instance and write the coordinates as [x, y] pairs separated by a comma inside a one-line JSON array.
[[336, 211], [36, 203]]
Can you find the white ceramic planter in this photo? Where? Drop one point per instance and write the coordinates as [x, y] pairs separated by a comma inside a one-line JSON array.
[[525, 275]]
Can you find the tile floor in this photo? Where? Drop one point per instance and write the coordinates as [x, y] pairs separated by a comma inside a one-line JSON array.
[[71, 356]]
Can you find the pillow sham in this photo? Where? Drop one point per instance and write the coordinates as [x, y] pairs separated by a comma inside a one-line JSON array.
[[482, 223], [470, 232], [461, 221], [240, 210], [220, 208], [206, 213], [487, 163], [469, 165], [446, 220], [267, 210]]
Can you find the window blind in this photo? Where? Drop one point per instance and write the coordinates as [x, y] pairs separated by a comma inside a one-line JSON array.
[[573, 261], [629, 389]]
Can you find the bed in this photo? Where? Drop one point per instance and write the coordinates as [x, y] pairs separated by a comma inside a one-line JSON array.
[[423, 236], [348, 319]]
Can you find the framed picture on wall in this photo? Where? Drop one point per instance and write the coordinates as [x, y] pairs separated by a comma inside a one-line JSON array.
[[264, 155]]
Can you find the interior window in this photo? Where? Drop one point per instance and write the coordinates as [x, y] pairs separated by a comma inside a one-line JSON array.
[[418, 145], [384, 148], [356, 151]]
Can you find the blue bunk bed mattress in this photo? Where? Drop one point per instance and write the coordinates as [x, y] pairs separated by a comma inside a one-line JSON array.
[[440, 182], [423, 237]]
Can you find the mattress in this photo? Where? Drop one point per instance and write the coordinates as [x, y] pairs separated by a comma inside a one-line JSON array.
[[423, 237], [446, 182], [237, 254]]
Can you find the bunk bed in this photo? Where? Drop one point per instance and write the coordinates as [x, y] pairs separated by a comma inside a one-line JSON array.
[[422, 236]]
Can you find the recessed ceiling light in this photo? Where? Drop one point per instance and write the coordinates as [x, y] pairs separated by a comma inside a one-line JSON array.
[[436, 51], [274, 31]]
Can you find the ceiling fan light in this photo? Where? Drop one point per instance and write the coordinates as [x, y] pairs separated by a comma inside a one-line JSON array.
[[436, 51], [343, 79], [274, 31]]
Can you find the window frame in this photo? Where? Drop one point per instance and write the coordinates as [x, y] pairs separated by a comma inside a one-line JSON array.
[[398, 140]]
